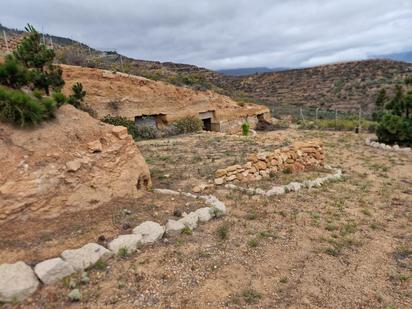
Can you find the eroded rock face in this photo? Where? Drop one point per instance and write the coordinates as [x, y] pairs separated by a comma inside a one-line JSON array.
[[70, 163]]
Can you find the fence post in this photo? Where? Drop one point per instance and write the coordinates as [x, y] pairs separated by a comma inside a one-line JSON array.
[[360, 120], [301, 115], [121, 63], [5, 40], [316, 114], [336, 119]]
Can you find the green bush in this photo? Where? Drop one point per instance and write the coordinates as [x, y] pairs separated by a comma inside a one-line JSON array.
[[13, 74], [395, 129], [20, 108], [189, 124], [245, 128], [395, 122]]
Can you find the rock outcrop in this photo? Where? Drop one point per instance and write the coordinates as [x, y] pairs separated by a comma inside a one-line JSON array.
[[73, 162]]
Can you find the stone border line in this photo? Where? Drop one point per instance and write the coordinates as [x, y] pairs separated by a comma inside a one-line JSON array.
[[292, 186], [375, 144], [18, 281]]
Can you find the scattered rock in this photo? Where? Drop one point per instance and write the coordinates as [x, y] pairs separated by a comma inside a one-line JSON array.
[[52, 270], [17, 282], [220, 173], [150, 231], [86, 256], [129, 242]]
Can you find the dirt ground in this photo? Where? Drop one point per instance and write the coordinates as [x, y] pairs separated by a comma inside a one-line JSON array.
[[344, 245]]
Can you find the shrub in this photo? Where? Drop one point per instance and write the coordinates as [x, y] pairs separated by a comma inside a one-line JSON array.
[[20, 108], [395, 123], [189, 124], [144, 132], [13, 74], [245, 128], [394, 129], [78, 95]]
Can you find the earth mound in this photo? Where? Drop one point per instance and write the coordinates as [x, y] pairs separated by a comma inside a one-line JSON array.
[[71, 163]]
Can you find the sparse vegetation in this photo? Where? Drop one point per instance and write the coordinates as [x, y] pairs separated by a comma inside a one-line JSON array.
[[189, 124]]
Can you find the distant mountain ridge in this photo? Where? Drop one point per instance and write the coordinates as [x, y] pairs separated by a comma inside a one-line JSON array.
[[405, 56], [249, 71]]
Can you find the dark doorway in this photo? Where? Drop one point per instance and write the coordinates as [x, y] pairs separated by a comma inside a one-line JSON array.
[[207, 124]]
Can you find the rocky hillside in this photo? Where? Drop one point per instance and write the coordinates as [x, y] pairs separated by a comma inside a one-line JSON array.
[[344, 86]]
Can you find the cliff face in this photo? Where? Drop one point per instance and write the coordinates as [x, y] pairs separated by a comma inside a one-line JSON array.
[[70, 163]]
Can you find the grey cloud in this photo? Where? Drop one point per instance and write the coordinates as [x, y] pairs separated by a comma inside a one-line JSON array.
[[225, 34]]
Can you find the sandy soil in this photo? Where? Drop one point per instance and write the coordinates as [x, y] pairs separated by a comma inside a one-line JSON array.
[[345, 245]]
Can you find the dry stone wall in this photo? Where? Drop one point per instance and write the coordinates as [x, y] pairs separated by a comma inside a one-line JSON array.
[[297, 157]]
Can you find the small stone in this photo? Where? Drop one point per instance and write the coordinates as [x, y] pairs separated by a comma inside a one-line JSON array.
[[219, 181], [190, 220], [52, 270], [95, 146], [196, 189], [220, 173], [17, 282], [231, 178], [74, 165], [74, 295], [174, 227], [150, 231], [205, 214], [219, 207]]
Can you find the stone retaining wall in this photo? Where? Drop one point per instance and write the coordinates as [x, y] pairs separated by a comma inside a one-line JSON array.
[[297, 157]]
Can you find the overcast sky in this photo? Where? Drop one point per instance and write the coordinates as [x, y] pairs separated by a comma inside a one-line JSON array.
[[225, 33]]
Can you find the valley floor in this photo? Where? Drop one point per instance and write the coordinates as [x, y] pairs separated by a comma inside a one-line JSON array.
[[344, 245]]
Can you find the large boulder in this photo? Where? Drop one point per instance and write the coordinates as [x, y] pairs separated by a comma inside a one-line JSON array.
[[52, 270], [126, 242], [17, 282], [86, 256], [70, 163], [150, 231]]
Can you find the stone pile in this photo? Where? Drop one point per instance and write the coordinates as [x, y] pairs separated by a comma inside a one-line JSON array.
[[295, 158], [374, 144], [18, 281]]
